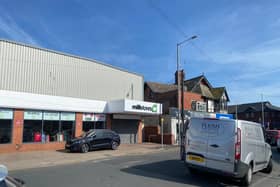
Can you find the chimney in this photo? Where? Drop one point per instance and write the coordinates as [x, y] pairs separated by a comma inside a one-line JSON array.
[[181, 76]]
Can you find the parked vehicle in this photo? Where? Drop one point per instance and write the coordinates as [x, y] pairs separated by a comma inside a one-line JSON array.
[[234, 148], [7, 181], [272, 136], [94, 139], [278, 145]]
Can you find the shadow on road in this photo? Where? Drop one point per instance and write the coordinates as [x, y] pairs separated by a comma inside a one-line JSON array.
[[175, 171]]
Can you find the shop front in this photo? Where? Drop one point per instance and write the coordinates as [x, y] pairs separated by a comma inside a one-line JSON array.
[[36, 122], [127, 118]]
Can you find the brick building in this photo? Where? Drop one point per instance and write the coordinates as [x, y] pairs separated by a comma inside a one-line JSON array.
[[253, 112], [199, 97]]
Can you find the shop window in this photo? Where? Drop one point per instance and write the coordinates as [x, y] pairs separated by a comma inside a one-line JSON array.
[[32, 130], [93, 121], [68, 129], [32, 127], [87, 125], [6, 123], [48, 126], [51, 131], [67, 125], [99, 125], [5, 131]]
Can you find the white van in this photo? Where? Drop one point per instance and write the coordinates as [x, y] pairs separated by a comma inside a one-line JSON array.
[[233, 148]]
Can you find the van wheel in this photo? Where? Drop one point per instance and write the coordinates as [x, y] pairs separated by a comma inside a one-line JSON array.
[[85, 148], [269, 167], [248, 177]]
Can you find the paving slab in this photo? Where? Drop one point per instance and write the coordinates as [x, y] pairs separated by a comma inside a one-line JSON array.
[[36, 159]]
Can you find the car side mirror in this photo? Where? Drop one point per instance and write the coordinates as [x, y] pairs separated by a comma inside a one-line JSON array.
[[3, 172]]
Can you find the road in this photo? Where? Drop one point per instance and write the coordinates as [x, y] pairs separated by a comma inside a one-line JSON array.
[[157, 169]]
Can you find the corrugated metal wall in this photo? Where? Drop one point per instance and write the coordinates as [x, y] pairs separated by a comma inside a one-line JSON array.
[[34, 70]]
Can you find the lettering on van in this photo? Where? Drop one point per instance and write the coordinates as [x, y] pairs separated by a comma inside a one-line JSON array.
[[210, 128]]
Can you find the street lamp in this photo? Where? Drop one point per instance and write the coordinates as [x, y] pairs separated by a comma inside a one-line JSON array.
[[178, 82]]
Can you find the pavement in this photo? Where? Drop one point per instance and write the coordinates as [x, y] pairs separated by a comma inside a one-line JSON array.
[[39, 159], [160, 168]]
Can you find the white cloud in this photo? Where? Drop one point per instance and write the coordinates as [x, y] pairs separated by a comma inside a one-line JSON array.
[[9, 26]]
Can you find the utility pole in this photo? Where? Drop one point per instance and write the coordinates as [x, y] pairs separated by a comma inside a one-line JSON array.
[[236, 113], [179, 83], [262, 111], [161, 120]]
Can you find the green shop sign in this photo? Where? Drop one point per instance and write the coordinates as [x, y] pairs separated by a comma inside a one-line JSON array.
[[33, 115], [53, 116], [6, 114], [67, 116]]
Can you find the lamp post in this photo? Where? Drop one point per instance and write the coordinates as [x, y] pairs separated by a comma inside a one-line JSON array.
[[178, 83]]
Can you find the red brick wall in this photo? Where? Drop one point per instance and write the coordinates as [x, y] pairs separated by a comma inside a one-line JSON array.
[[79, 124], [139, 133], [108, 121], [17, 126], [150, 131], [167, 139], [189, 97]]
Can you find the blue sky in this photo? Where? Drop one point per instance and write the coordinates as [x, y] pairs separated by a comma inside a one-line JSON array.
[[238, 44]]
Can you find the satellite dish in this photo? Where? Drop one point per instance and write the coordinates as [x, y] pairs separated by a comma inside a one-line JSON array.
[[3, 172]]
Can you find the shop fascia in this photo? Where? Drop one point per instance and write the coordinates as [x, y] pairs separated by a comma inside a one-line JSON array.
[[95, 108]]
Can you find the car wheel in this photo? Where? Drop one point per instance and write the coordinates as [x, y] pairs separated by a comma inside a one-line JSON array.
[[248, 177], [114, 145], [85, 148], [269, 167]]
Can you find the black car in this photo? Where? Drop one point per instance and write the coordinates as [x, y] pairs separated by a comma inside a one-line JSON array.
[[94, 139]]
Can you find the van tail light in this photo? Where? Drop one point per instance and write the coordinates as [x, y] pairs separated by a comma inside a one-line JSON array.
[[238, 145]]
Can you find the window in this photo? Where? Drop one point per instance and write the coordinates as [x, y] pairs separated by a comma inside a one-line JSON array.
[[67, 125], [6, 123], [32, 131], [93, 121], [247, 115], [48, 126], [32, 127]]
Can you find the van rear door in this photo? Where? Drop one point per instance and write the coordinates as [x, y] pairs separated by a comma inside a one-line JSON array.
[[196, 142], [221, 144]]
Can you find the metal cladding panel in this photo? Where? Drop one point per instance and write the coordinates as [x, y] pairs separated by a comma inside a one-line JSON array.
[[35, 70]]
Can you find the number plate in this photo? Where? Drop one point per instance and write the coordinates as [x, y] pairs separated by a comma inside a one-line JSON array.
[[195, 158]]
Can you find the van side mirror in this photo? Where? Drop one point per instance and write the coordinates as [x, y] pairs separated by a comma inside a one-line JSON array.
[[3, 172]]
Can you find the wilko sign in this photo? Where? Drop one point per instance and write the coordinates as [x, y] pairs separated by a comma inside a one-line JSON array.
[[142, 107], [145, 108]]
